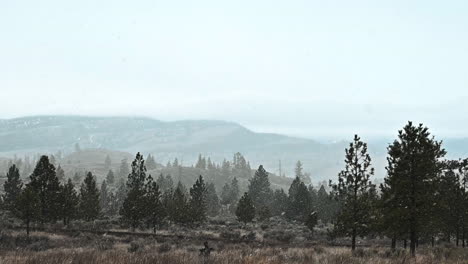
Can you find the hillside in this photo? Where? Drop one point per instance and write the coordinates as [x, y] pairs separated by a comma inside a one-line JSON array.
[[167, 140]]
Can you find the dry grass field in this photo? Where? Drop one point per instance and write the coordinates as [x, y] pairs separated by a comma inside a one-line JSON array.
[[53, 248]]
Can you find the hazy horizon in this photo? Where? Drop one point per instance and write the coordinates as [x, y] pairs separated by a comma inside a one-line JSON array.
[[322, 70]]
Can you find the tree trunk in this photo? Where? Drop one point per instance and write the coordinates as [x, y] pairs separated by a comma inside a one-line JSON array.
[[463, 237], [457, 237], [27, 228], [432, 241], [404, 243], [393, 243], [353, 243], [413, 243]]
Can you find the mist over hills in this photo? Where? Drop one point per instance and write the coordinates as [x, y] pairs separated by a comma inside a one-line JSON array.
[[185, 140]]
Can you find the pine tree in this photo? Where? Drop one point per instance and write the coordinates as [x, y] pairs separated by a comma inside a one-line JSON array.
[[29, 206], [281, 203], [245, 211], [298, 170], [60, 174], [104, 198], [226, 195], [179, 208], [124, 169], [46, 185], [311, 221], [154, 206], [120, 196], [77, 178], [133, 209], [326, 206], [413, 167], [234, 190], [89, 199], [107, 163], [300, 205], [69, 202], [212, 200], [110, 178], [198, 200], [259, 188], [12, 188], [151, 162], [352, 191]]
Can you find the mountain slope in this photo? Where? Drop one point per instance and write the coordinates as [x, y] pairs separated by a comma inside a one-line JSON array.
[[167, 140]]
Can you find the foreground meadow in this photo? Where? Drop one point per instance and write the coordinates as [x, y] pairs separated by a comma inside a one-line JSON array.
[[54, 248]]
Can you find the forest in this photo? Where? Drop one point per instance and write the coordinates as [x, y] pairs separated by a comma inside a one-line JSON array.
[[418, 211]]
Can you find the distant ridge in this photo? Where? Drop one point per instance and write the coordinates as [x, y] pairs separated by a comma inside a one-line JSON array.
[[167, 140]]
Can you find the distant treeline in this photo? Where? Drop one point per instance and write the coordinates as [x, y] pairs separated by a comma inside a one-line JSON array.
[[424, 197]]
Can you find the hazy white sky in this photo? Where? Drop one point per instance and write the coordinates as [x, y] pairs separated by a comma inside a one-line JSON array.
[[311, 68]]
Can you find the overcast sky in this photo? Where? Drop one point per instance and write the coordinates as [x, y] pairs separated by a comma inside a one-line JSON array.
[[324, 69]]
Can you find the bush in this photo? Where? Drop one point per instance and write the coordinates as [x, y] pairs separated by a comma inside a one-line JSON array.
[[164, 248], [104, 244], [230, 235], [135, 247], [279, 236]]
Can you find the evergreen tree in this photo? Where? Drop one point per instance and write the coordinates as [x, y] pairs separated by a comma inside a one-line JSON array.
[[46, 185], [124, 169], [281, 203], [110, 178], [212, 200], [175, 164], [89, 199], [245, 211], [198, 200], [77, 177], [259, 188], [165, 183], [12, 188], [234, 190], [120, 196], [352, 191], [107, 163], [60, 174], [300, 205], [298, 170], [179, 207], [104, 198], [69, 202], [201, 163], [29, 206], [311, 221], [226, 195], [154, 205], [151, 162], [133, 210], [326, 206], [413, 167]]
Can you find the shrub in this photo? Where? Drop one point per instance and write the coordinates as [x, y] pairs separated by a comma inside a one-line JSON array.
[[164, 248], [279, 235], [231, 235], [135, 247]]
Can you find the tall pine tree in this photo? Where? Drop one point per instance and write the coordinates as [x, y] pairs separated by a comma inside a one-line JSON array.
[[259, 189], [12, 188], [133, 209], [413, 167], [353, 192], [89, 199], [46, 185], [198, 200]]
